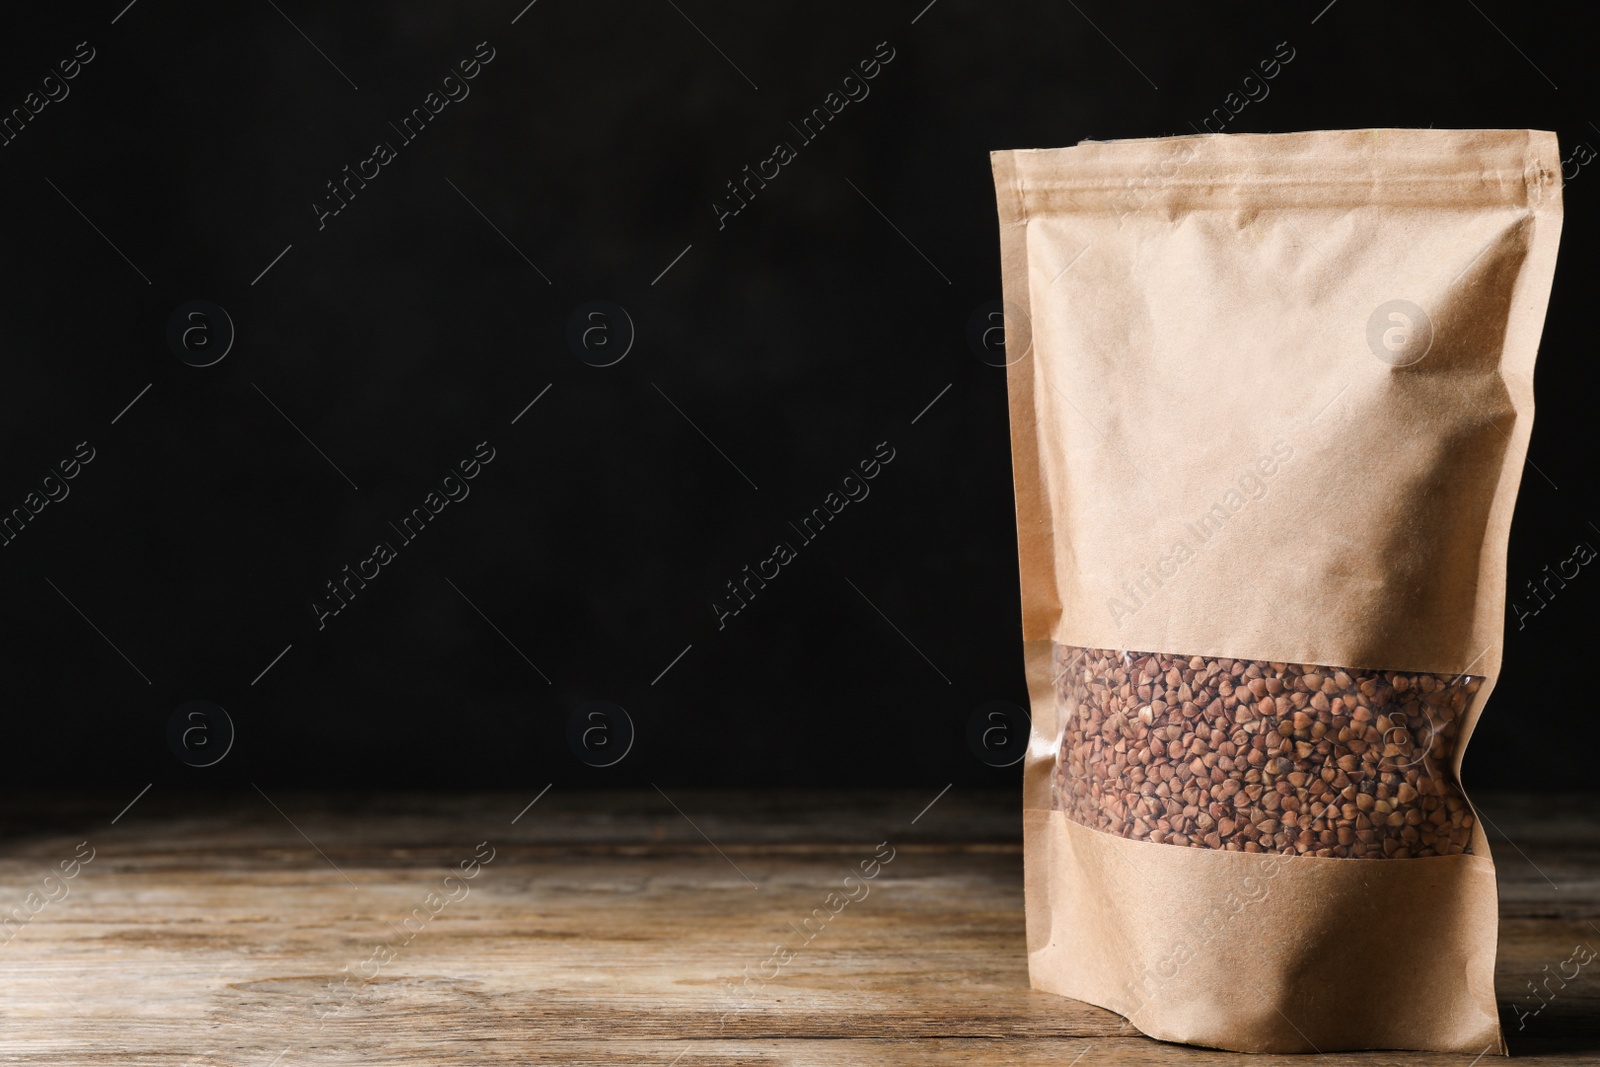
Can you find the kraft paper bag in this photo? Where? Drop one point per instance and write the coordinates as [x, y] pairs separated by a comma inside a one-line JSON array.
[[1270, 403]]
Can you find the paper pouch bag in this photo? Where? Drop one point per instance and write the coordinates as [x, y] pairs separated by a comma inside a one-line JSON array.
[[1270, 401]]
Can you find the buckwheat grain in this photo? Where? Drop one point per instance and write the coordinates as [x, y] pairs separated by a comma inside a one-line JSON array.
[[1252, 756]]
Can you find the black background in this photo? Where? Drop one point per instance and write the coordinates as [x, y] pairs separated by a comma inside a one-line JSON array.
[[820, 321]]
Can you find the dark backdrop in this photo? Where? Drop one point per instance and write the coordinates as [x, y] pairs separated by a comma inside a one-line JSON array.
[[771, 351]]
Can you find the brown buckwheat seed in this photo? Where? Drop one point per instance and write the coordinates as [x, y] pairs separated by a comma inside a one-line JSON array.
[[1251, 756]]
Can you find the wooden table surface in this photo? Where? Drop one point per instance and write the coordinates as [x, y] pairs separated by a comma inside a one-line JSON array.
[[267, 929]]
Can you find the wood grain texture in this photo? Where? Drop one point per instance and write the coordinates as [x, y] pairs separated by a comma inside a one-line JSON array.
[[613, 927]]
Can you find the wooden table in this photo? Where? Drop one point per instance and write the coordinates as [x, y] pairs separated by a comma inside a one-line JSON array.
[[610, 928]]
